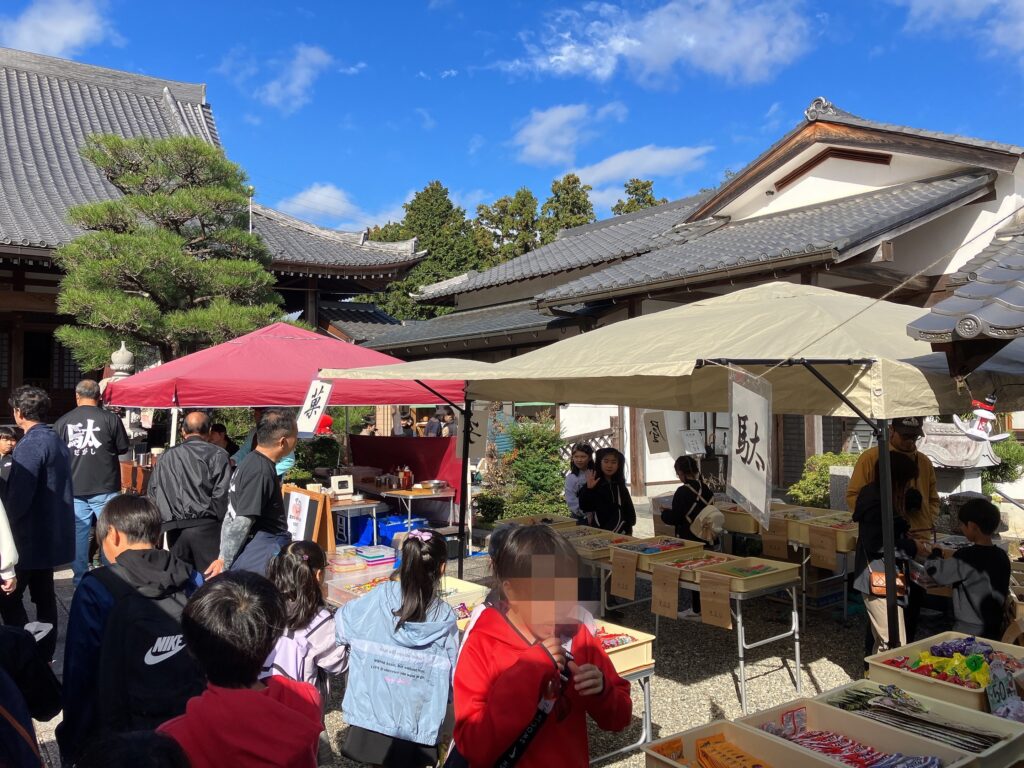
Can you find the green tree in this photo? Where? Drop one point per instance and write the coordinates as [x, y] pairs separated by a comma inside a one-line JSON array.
[[639, 195], [170, 266], [569, 206], [441, 227], [509, 225]]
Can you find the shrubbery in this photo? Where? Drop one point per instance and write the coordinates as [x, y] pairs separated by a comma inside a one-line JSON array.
[[812, 489]]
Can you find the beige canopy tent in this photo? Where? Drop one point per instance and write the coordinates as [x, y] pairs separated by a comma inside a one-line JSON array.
[[674, 360]]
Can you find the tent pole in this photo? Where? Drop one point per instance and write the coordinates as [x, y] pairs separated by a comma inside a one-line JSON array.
[[437, 394], [888, 534], [467, 432], [835, 391], [174, 427]]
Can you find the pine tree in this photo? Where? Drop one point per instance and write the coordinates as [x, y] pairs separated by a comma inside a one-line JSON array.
[[639, 195], [509, 227], [170, 266], [569, 206]]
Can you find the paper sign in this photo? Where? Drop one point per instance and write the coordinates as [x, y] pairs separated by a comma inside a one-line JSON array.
[[1001, 687], [693, 443], [657, 435], [665, 590], [750, 440], [775, 544], [823, 547], [715, 608], [313, 406], [624, 573]]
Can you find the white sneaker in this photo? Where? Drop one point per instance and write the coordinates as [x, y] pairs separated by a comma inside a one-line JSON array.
[[689, 614]]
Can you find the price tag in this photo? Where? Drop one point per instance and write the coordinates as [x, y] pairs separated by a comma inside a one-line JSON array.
[[624, 573], [715, 608], [775, 544], [823, 547], [665, 591], [1001, 688]]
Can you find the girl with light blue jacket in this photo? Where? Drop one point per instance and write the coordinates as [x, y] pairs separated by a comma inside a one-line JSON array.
[[403, 643]]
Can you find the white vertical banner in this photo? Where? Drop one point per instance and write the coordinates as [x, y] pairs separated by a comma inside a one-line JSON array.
[[657, 434], [314, 406], [750, 440]]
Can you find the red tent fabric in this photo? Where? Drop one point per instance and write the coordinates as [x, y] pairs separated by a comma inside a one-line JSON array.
[[271, 366]]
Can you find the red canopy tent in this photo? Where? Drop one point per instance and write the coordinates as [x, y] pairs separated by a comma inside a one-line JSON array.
[[271, 366]]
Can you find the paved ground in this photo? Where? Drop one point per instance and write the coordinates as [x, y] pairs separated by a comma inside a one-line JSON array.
[[695, 679]]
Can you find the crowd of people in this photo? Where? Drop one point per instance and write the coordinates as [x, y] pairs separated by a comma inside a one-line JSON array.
[[202, 637]]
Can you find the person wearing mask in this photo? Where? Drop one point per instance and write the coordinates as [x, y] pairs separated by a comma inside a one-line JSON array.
[[95, 439], [41, 512], [255, 527], [903, 437], [189, 486], [249, 445]]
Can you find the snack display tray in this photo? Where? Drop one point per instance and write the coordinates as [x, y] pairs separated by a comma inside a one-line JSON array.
[[797, 530], [846, 541], [581, 532], [1005, 754], [694, 575], [626, 658], [738, 521], [772, 751], [783, 573], [912, 683], [822, 717], [685, 546], [602, 553], [558, 522]]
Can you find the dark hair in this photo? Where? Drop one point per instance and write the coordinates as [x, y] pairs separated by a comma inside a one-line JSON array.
[[496, 541], [33, 403], [420, 574], [982, 513], [903, 471], [196, 423], [14, 433], [135, 749], [619, 478], [581, 448], [293, 572], [136, 517], [231, 625], [515, 556], [219, 429], [275, 424], [88, 389], [687, 465]]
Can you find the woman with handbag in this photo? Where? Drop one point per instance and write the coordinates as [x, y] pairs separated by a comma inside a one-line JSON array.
[[869, 566]]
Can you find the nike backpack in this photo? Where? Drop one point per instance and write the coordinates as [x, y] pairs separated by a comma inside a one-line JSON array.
[[146, 675]]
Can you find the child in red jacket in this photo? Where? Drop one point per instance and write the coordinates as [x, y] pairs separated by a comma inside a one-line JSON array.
[[528, 676]]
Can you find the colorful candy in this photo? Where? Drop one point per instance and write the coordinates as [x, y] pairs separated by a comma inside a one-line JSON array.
[[613, 639]]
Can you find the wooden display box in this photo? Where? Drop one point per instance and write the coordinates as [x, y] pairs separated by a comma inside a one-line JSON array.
[[599, 546], [822, 717], [632, 656], [678, 547], [581, 532], [1005, 754], [846, 534], [693, 574], [969, 698], [738, 521], [784, 573], [796, 520], [557, 522], [680, 749]]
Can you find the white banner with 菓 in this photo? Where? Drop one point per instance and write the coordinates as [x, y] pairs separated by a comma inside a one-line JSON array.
[[314, 406], [750, 440]]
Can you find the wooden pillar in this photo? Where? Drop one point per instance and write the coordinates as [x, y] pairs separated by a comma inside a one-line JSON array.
[[17, 352], [311, 314], [778, 451], [814, 441], [637, 441]]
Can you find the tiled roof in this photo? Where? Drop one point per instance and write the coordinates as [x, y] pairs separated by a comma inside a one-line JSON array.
[[360, 322], [296, 242], [47, 108], [990, 303], [834, 229], [473, 323], [616, 238]]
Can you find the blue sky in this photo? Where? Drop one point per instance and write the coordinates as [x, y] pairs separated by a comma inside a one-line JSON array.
[[339, 110]]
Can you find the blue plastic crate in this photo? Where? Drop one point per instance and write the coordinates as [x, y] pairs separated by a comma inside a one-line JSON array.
[[362, 531], [388, 527]]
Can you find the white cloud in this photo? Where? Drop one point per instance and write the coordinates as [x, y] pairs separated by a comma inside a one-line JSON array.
[[470, 200], [238, 65], [550, 136], [604, 198], [57, 27], [293, 86], [998, 24], [331, 206], [250, 119], [643, 163], [446, 73], [476, 143], [355, 69], [739, 40], [422, 75], [426, 119], [931, 12]]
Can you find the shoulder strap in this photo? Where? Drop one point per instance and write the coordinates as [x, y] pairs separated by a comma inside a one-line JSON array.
[[514, 754]]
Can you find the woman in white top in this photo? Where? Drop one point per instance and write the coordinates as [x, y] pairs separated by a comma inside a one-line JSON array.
[[8, 555], [582, 459]]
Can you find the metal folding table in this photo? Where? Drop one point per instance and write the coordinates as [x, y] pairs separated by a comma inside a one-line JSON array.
[[348, 510], [642, 677]]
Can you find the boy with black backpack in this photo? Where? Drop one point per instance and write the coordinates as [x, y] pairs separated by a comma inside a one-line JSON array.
[[125, 664]]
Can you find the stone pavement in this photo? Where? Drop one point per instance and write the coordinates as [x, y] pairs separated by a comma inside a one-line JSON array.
[[45, 731]]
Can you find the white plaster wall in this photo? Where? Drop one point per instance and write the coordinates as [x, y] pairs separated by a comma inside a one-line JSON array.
[[580, 419]]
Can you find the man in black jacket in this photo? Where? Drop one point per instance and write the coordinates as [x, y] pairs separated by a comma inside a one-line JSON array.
[[190, 488]]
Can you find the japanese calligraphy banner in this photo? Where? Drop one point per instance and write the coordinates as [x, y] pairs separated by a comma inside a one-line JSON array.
[[314, 406], [657, 434], [750, 441]]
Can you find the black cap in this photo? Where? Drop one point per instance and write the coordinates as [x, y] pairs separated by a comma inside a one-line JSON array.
[[908, 425]]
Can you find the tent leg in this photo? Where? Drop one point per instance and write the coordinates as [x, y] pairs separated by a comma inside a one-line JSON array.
[[174, 427], [888, 533], [467, 432]]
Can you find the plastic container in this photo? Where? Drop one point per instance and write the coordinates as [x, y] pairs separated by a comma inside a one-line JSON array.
[[690, 570], [969, 698], [599, 546], [842, 523], [1005, 754], [556, 522], [361, 527], [631, 656], [581, 532], [670, 548], [781, 573], [680, 749], [387, 528], [794, 520]]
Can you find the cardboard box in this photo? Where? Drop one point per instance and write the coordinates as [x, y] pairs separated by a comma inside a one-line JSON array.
[[680, 749]]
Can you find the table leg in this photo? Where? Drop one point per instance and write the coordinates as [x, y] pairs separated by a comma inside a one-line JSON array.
[[741, 643], [373, 511], [796, 644], [348, 530], [804, 560], [646, 726]]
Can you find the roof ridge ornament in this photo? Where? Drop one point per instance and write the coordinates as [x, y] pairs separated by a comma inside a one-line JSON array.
[[820, 107]]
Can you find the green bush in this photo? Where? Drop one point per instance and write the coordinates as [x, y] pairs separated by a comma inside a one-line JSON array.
[[528, 480], [811, 490], [1011, 452], [489, 507]]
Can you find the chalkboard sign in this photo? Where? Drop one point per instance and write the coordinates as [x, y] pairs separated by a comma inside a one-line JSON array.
[[308, 516]]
